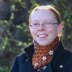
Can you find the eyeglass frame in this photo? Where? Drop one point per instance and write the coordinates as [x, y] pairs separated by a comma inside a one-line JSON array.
[[33, 26]]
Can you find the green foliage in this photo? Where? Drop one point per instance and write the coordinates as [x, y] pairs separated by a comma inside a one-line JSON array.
[[4, 70]]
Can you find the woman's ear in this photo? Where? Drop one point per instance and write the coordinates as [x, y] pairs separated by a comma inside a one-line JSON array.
[[60, 29]]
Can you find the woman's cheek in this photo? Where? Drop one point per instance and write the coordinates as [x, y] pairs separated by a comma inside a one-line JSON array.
[[33, 32], [50, 31]]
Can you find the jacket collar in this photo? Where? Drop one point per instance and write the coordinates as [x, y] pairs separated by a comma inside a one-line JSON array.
[[59, 50], [29, 51]]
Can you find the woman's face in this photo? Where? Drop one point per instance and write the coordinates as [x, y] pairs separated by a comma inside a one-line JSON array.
[[44, 27]]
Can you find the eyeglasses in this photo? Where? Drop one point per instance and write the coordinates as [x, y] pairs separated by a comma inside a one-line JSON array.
[[46, 25]]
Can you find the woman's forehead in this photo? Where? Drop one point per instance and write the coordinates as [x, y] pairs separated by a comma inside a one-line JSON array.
[[43, 15]]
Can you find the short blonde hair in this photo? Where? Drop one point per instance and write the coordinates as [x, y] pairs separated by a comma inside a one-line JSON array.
[[47, 7]]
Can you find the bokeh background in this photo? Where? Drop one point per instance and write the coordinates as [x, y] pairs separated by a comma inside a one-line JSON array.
[[14, 31]]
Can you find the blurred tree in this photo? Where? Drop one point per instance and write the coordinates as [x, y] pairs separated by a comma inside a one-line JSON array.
[[5, 10], [20, 14]]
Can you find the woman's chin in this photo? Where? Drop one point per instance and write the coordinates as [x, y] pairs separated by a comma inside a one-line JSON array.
[[43, 43]]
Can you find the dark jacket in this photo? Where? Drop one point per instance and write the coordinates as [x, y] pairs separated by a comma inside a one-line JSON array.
[[62, 61]]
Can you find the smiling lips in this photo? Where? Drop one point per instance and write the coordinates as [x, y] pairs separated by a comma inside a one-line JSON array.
[[42, 35]]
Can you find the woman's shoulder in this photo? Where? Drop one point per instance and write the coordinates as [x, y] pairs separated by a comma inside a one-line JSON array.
[[68, 53], [67, 57], [21, 57], [18, 62]]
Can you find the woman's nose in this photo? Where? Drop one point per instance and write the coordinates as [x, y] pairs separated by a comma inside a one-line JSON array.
[[41, 27]]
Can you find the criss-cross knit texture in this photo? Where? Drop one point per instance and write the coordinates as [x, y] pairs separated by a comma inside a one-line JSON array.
[[43, 54]]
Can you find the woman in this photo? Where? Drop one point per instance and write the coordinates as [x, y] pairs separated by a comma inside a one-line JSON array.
[[47, 53]]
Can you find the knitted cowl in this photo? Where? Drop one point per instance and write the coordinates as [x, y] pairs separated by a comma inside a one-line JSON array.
[[43, 55]]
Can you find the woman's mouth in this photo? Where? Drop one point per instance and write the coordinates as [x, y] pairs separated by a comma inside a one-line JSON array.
[[42, 35]]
